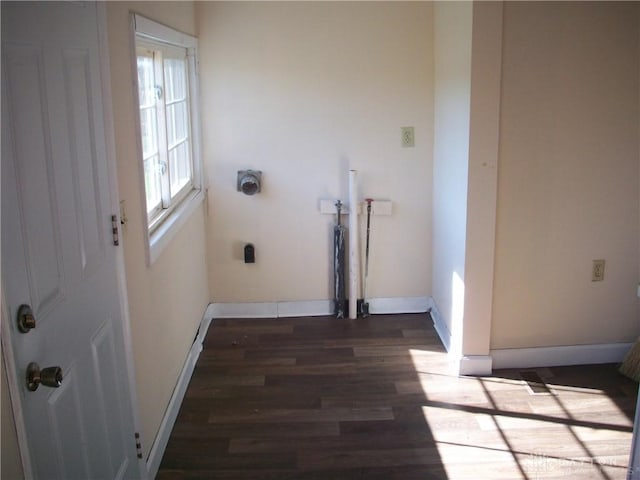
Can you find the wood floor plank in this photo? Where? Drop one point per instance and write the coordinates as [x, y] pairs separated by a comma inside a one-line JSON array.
[[215, 379], [277, 415], [386, 457], [342, 443], [203, 430], [209, 460], [312, 354], [267, 369]]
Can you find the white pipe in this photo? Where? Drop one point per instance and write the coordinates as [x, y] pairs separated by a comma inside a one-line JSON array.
[[354, 255]]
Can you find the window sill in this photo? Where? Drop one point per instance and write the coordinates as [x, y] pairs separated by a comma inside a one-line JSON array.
[[166, 231]]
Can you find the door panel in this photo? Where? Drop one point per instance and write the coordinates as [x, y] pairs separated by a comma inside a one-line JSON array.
[[64, 409], [24, 82], [105, 368], [57, 250], [81, 141]]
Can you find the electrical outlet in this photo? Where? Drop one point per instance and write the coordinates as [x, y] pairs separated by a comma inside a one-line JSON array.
[[597, 274], [408, 139]]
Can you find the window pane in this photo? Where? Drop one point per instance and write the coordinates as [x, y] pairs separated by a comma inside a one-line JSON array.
[[175, 73], [171, 125], [177, 123], [149, 131], [180, 166], [152, 182], [146, 83]]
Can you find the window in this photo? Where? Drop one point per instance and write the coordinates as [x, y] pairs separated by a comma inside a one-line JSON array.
[[166, 78]]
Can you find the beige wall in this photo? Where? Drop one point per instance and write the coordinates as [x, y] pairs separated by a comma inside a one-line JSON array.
[[166, 300], [304, 91], [568, 177]]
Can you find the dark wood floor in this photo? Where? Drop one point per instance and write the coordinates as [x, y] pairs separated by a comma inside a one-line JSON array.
[[375, 398]]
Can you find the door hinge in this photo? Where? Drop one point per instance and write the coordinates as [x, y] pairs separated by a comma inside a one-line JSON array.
[[138, 445], [114, 230]]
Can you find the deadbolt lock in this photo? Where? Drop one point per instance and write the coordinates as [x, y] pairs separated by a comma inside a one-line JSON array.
[[26, 320], [49, 377]]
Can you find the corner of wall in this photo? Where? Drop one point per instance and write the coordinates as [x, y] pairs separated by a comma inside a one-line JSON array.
[[484, 133]]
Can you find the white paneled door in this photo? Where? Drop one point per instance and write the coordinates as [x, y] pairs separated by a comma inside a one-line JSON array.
[[58, 253]]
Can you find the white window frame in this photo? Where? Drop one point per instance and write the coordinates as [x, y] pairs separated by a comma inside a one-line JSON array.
[[159, 233]]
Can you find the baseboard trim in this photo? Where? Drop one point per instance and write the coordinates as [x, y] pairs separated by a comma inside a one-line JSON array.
[[312, 308], [475, 365], [441, 327], [243, 310], [561, 355], [386, 305], [171, 413]]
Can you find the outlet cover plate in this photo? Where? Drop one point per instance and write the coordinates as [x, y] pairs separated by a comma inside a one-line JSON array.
[[597, 273], [407, 136]]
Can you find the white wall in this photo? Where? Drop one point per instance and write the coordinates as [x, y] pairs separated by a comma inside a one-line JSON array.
[[568, 177], [452, 46], [304, 91], [167, 299]]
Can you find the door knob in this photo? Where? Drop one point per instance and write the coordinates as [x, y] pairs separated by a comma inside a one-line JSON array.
[[49, 377], [26, 320]]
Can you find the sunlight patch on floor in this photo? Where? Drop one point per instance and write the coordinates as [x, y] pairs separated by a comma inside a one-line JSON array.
[[495, 424]]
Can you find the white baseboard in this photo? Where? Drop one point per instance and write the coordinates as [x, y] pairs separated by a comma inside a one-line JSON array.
[[441, 327], [204, 327], [399, 305], [171, 413], [311, 308], [243, 310], [475, 365], [562, 355]]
